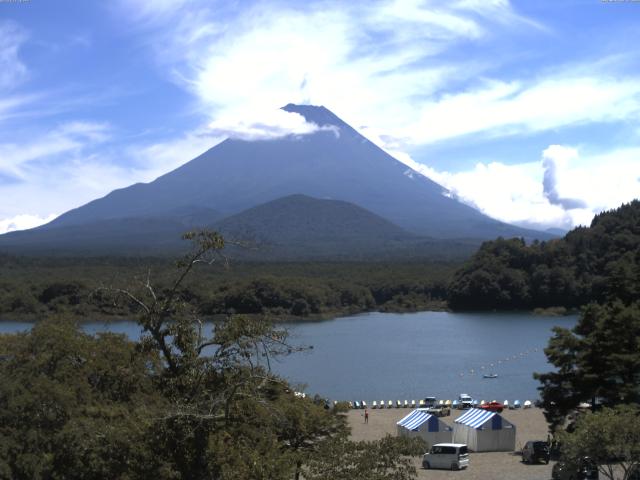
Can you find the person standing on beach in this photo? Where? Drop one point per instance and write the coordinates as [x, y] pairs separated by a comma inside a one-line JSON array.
[[366, 416]]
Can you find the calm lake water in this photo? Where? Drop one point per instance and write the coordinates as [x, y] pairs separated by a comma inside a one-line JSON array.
[[389, 356]]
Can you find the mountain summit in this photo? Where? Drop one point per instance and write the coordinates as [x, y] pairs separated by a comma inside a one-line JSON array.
[[319, 115], [334, 163]]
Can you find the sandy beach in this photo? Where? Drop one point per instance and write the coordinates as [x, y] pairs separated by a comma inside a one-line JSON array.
[[530, 425]]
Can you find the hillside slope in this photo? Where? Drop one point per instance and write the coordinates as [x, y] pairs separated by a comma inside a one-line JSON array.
[[588, 264]]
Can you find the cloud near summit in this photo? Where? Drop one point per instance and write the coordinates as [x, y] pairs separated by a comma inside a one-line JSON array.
[[267, 125]]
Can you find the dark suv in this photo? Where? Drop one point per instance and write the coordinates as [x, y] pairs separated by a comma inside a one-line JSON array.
[[535, 451]]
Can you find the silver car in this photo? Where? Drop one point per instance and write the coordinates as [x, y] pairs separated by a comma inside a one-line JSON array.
[[453, 456]]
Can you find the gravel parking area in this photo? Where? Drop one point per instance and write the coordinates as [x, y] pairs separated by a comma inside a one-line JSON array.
[[530, 425]]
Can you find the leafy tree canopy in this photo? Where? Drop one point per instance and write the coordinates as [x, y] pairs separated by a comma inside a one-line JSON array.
[[598, 361], [598, 263], [609, 437]]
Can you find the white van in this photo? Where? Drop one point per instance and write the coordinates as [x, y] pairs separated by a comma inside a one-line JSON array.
[[452, 456], [465, 401]]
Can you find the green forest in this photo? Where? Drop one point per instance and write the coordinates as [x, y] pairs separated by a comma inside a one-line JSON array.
[[34, 287], [590, 264]]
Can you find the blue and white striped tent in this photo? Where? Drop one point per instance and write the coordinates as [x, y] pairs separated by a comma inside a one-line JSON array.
[[484, 431], [421, 424]]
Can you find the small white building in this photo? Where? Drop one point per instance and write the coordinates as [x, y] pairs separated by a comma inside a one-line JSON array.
[[421, 424], [484, 431]]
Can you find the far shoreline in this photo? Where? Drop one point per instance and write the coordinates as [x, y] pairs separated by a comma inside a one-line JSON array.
[[435, 306]]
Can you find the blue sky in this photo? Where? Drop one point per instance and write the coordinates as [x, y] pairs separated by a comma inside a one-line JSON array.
[[527, 110]]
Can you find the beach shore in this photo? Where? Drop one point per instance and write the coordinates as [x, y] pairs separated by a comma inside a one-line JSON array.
[[530, 425]]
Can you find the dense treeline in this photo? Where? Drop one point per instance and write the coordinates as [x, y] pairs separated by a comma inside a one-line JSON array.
[[589, 264], [31, 288]]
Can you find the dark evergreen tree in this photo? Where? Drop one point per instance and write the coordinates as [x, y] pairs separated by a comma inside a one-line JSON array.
[[598, 361]]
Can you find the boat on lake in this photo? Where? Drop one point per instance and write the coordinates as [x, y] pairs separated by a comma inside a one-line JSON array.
[[490, 375]]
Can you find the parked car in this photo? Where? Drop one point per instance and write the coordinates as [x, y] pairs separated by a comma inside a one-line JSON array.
[[585, 470], [465, 401], [535, 451], [492, 407], [439, 410], [429, 401], [452, 456]]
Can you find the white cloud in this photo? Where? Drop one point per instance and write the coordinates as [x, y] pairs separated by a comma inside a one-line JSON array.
[[12, 70], [266, 125], [23, 222], [65, 139], [380, 64], [506, 108], [365, 60], [516, 194]]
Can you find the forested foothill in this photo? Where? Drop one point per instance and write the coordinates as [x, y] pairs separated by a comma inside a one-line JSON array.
[[590, 264], [34, 287]]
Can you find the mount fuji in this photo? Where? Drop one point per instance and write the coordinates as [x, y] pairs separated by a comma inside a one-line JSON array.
[[332, 163]]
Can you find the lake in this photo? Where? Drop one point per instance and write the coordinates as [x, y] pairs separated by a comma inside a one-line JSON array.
[[390, 356]]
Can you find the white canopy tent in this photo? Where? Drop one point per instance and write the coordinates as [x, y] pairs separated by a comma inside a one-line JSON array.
[[421, 424], [484, 431]]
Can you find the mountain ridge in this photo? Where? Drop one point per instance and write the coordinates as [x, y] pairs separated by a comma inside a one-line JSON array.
[[292, 228]]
